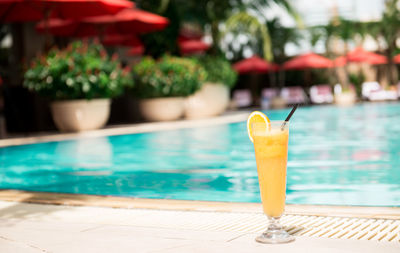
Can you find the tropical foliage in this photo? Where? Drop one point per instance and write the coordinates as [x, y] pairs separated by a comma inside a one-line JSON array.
[[281, 37], [80, 71], [168, 77], [248, 20], [385, 32], [388, 29], [357, 79], [211, 14], [165, 41], [245, 23], [219, 70]]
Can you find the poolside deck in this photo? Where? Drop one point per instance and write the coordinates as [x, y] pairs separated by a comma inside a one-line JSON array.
[[45, 222], [146, 226]]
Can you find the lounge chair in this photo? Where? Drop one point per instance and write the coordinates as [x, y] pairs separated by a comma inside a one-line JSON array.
[[242, 98], [383, 95], [267, 95], [294, 95], [370, 87], [374, 92], [320, 94]]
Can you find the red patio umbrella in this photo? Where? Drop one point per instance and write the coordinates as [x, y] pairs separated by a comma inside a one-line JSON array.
[[128, 21], [131, 20], [307, 61], [61, 27], [396, 59], [136, 50], [254, 64], [122, 40], [192, 46], [340, 61], [361, 55], [35, 10], [137, 47]]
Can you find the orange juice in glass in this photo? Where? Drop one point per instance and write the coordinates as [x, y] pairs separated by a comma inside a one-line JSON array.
[[271, 149]]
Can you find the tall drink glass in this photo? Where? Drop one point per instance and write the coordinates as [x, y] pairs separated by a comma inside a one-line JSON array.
[[271, 149]]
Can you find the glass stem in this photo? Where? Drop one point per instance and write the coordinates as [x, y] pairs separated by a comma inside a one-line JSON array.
[[274, 224]]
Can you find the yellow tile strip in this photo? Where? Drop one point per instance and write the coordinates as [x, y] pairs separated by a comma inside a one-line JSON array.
[[185, 205]]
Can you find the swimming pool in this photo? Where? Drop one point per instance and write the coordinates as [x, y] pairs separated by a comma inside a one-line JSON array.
[[337, 156]]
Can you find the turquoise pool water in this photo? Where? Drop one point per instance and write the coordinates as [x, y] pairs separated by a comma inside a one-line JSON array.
[[337, 156]]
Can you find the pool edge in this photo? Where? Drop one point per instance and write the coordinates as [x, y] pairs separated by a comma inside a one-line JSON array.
[[233, 117], [188, 205]]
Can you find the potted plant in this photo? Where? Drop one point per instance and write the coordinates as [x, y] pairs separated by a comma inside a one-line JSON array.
[[213, 97], [162, 85], [80, 80], [347, 95]]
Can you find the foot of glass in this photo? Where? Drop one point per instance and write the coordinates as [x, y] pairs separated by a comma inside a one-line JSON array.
[[275, 234]]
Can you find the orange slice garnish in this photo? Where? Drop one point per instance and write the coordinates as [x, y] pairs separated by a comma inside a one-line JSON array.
[[257, 117]]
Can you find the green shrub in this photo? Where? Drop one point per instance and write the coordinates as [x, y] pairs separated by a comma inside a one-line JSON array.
[[357, 80], [80, 71], [219, 70], [167, 77]]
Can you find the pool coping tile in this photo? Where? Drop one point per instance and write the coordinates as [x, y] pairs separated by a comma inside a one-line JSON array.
[[374, 212]]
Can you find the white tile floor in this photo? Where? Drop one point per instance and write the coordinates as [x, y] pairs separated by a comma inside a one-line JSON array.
[[48, 228]]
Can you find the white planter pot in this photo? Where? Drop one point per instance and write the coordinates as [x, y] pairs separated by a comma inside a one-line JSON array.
[[211, 100], [162, 109], [345, 99], [80, 115]]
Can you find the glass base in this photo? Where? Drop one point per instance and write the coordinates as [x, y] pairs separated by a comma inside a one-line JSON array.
[[275, 233], [275, 236]]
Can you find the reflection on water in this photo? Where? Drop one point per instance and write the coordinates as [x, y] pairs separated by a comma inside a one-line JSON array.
[[86, 153], [355, 152], [55, 166], [346, 156]]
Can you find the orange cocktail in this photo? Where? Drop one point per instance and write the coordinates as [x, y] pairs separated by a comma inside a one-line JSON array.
[[271, 156], [270, 139]]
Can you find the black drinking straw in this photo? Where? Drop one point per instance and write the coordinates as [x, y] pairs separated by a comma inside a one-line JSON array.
[[289, 116]]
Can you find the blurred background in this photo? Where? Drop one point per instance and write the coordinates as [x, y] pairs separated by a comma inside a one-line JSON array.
[[266, 53]]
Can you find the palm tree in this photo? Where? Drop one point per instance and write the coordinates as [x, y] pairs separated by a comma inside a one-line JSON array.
[[316, 35], [210, 13], [281, 37], [247, 21], [346, 30], [165, 41], [390, 31], [324, 33], [244, 23]]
